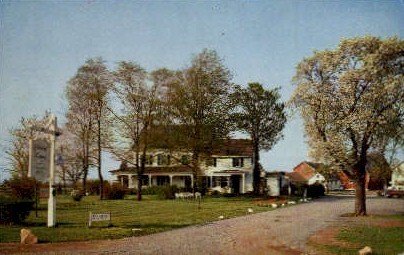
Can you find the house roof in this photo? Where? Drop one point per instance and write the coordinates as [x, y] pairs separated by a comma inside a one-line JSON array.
[[305, 170], [296, 177], [235, 147], [312, 164], [156, 169]]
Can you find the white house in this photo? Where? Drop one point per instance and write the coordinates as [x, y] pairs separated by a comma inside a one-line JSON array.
[[397, 177], [228, 169]]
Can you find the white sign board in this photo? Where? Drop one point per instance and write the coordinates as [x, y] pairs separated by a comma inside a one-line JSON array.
[[40, 159], [98, 217]]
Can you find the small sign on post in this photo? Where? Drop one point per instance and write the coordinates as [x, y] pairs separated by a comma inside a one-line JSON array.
[[99, 217], [40, 159]]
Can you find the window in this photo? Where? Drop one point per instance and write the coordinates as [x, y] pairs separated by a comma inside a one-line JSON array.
[[238, 162], [163, 159], [184, 159], [149, 160], [211, 162]]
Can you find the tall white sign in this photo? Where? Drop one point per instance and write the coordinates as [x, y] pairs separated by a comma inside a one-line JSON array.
[[41, 164], [40, 160]]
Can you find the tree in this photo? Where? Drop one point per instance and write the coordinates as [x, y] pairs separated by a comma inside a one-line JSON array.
[[17, 154], [199, 104], [262, 116], [71, 152], [18, 150], [141, 104], [351, 98], [87, 115]]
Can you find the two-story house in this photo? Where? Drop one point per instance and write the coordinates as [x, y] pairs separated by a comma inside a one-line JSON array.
[[228, 168]]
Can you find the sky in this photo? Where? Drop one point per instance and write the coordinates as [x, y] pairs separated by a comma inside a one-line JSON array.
[[43, 43]]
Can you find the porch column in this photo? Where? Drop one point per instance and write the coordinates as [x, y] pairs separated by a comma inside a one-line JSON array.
[[192, 180], [150, 180], [243, 185], [171, 180], [211, 181], [130, 181], [122, 180]]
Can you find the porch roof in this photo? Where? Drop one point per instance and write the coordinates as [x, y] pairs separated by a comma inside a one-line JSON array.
[[229, 172], [155, 169]]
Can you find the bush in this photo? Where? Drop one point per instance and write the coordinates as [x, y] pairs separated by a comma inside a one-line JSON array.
[[298, 189], [153, 190], [21, 188], [315, 190], [168, 192], [114, 191], [13, 210], [77, 195], [215, 193], [132, 191], [93, 186]]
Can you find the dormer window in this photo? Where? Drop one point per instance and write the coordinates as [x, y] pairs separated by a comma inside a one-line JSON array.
[[238, 162], [149, 160], [185, 159], [163, 159]]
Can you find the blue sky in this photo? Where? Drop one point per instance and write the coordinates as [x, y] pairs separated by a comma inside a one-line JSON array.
[[44, 42]]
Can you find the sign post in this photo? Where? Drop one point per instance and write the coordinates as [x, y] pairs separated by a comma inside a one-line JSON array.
[[41, 164], [52, 191]]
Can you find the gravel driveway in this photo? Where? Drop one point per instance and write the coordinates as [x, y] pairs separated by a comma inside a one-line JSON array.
[[282, 231]]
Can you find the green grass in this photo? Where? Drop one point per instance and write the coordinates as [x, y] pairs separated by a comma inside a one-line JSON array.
[[382, 240], [150, 215]]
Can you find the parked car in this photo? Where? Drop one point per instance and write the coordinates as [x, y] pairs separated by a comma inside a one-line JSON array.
[[394, 192]]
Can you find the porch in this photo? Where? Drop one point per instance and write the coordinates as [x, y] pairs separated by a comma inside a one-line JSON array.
[[224, 182]]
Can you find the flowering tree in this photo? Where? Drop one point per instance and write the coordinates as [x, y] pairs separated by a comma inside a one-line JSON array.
[[351, 100]]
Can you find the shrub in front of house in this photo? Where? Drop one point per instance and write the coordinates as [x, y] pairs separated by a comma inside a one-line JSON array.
[[13, 210], [298, 189], [77, 195], [168, 192], [315, 190], [114, 191], [93, 186], [132, 191], [17, 198], [153, 190], [21, 188]]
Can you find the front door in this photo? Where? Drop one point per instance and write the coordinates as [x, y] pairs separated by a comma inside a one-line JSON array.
[[235, 183]]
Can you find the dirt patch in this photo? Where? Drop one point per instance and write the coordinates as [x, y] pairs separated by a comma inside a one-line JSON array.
[[16, 248], [389, 223], [328, 236]]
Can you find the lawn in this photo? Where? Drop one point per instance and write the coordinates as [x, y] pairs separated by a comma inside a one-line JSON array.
[[387, 239], [129, 217]]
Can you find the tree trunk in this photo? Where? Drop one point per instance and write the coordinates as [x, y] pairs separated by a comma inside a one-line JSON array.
[[139, 176], [195, 170], [360, 192], [99, 161], [256, 170], [85, 173], [139, 187]]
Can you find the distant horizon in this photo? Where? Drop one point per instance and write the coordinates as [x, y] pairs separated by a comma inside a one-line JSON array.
[[44, 43]]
